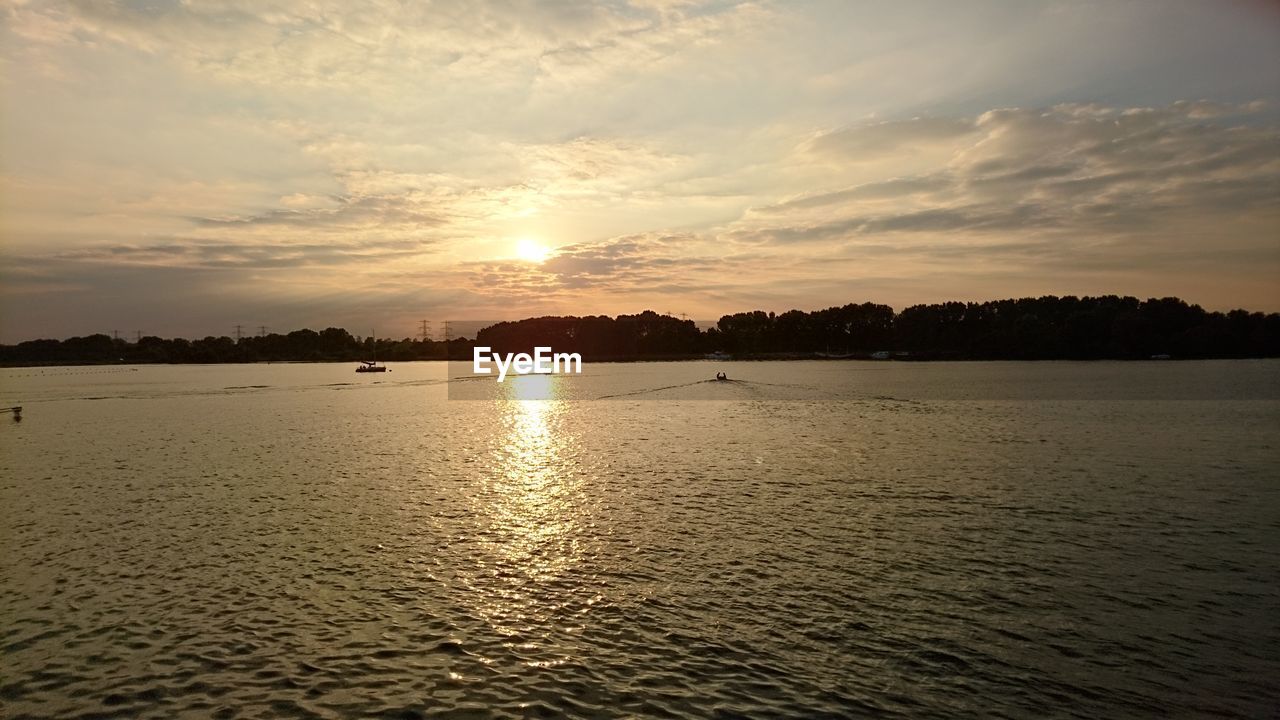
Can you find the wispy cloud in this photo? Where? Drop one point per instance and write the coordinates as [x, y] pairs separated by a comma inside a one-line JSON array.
[[1086, 170], [381, 46]]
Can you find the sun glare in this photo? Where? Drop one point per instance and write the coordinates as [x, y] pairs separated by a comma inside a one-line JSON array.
[[531, 250]]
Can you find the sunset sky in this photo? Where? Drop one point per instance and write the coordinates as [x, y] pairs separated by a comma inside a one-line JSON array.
[[181, 167]]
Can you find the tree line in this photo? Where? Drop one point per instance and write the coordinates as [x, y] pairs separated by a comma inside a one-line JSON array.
[[1043, 328], [328, 345]]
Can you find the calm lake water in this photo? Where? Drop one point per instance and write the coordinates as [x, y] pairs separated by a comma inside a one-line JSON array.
[[813, 539]]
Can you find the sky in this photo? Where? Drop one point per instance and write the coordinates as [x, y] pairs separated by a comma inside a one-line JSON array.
[[178, 168]]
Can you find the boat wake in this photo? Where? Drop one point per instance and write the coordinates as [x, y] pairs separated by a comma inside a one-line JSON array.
[[741, 384], [666, 387]]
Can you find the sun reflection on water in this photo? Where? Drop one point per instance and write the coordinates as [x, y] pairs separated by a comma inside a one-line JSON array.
[[533, 490], [529, 512]]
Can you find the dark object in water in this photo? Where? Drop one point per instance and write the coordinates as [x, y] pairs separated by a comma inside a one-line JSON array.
[[721, 376], [16, 410], [372, 365]]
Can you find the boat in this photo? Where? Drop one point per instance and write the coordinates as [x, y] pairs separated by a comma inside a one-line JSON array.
[[718, 355], [372, 365]]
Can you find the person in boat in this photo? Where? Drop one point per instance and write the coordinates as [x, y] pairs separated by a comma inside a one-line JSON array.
[[721, 376]]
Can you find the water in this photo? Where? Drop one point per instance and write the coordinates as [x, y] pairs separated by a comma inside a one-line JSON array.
[[816, 539]]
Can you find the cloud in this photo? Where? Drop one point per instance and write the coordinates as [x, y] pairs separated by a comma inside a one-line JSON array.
[[635, 263], [875, 140], [193, 300], [880, 190], [192, 253], [411, 210], [1083, 170], [382, 45]]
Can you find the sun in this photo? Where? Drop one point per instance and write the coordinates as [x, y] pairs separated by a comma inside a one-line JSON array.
[[531, 250]]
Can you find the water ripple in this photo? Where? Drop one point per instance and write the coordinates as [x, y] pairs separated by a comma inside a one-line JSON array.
[[381, 552]]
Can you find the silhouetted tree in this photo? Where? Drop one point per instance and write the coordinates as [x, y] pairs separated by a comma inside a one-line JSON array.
[[1026, 328]]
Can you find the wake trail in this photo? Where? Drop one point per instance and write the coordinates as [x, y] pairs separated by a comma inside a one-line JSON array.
[[665, 387], [746, 384]]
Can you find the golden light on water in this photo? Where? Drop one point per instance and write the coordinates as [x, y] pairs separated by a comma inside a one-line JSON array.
[[529, 508], [531, 388], [535, 483]]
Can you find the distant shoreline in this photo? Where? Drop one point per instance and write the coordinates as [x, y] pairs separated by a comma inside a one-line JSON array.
[[1107, 327], [656, 359]]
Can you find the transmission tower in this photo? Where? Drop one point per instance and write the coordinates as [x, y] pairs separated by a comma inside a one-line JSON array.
[[426, 329], [137, 337], [239, 333], [262, 331]]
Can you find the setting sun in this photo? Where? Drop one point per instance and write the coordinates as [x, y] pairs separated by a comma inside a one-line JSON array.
[[531, 250]]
